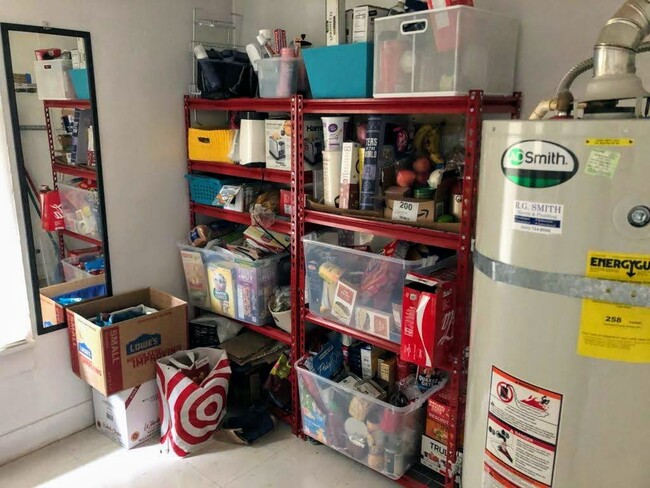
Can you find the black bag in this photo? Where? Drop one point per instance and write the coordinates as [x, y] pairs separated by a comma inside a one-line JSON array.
[[226, 74]]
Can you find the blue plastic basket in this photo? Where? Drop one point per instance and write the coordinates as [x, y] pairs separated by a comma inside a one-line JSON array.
[[204, 190], [79, 79], [343, 71]]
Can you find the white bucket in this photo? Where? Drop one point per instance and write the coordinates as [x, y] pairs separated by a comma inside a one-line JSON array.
[[282, 320]]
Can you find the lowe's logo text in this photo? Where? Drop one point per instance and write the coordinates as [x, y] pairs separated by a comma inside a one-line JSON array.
[[538, 164], [142, 343], [85, 350]]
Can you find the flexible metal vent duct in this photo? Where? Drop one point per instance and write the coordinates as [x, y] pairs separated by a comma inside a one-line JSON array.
[[615, 54]]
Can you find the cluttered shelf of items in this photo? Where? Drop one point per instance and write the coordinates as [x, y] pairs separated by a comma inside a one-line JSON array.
[[328, 258], [371, 172]]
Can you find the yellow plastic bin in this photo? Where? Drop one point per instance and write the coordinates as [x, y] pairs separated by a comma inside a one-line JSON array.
[[209, 145]]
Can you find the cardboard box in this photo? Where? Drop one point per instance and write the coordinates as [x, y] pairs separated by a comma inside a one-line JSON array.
[[237, 198], [345, 297], [369, 357], [278, 144], [221, 281], [121, 356], [334, 22], [313, 143], [387, 369], [428, 305], [285, 203], [438, 421], [53, 313], [373, 321], [363, 23], [129, 417], [410, 210], [433, 455], [349, 192]]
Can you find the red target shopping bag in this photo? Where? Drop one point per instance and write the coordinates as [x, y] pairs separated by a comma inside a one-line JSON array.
[[191, 403]]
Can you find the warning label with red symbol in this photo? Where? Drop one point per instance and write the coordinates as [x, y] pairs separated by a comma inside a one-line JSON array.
[[522, 431]]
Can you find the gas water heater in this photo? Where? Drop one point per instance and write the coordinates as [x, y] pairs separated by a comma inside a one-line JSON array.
[[559, 368]]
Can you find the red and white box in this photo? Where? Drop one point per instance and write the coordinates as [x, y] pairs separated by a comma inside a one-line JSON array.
[[129, 417], [285, 203], [428, 303]]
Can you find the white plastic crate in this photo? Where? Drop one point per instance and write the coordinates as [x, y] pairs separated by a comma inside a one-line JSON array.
[[376, 282], [81, 211], [218, 281], [444, 52], [327, 409], [53, 80]]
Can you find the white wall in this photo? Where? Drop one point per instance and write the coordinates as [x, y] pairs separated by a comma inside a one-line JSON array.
[[142, 70], [555, 34]]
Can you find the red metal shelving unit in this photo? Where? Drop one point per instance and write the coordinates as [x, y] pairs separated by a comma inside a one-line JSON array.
[[283, 226], [472, 106], [240, 104], [82, 237], [67, 169], [420, 235], [357, 334], [280, 225], [78, 171]]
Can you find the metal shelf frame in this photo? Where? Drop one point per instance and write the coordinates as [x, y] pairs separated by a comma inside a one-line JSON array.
[[290, 227], [60, 168], [472, 107]]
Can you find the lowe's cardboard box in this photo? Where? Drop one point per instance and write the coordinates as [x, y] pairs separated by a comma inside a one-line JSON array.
[[129, 417], [121, 356], [53, 313]]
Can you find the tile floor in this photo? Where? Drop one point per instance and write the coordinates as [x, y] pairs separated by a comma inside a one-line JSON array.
[[88, 459]]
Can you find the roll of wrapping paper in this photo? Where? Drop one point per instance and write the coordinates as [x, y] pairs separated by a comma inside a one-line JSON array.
[[370, 164]]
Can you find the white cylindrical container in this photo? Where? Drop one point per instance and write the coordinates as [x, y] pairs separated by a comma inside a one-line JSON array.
[[332, 177], [334, 132], [252, 146], [558, 382]]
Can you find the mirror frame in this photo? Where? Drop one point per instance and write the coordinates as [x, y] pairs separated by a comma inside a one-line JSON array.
[[5, 29]]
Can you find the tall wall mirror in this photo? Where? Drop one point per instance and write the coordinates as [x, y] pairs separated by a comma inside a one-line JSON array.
[[53, 109]]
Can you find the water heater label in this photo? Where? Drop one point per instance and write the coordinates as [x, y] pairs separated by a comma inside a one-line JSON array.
[[602, 163], [538, 164], [522, 433], [537, 217], [609, 330]]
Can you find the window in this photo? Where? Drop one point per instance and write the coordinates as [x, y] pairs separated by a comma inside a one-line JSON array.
[[15, 320]]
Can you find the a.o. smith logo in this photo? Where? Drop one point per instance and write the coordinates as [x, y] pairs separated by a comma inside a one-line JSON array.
[[538, 164], [142, 343]]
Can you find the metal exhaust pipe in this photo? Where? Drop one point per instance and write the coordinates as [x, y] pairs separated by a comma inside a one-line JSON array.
[[615, 53]]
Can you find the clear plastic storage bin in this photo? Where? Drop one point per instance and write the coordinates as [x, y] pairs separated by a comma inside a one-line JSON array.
[[444, 52], [281, 77], [359, 289], [81, 211], [220, 282], [72, 272], [381, 436], [53, 80]]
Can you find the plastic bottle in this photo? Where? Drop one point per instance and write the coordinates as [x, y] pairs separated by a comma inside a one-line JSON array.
[[397, 9]]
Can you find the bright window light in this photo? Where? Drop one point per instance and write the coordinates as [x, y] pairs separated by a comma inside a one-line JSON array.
[[15, 320]]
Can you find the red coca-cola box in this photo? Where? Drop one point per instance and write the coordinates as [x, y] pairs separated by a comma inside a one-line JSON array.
[[428, 304]]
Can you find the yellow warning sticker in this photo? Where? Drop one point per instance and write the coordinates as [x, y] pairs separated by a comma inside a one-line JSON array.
[[609, 142], [614, 332], [610, 330], [634, 268]]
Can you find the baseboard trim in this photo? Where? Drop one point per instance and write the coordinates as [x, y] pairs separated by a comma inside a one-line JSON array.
[[44, 432]]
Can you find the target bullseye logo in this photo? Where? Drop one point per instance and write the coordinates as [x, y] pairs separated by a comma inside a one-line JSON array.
[[191, 412], [505, 391]]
